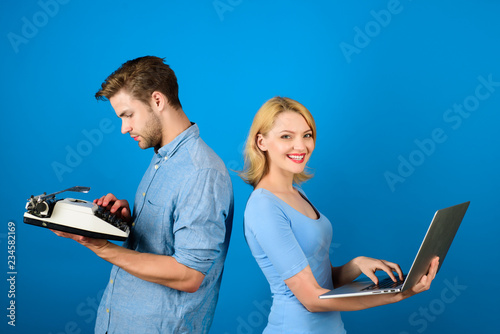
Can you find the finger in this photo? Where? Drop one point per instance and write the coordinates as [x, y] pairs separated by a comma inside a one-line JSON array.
[[395, 268], [372, 276], [434, 268], [82, 239], [125, 213], [62, 234], [421, 286], [109, 198], [437, 261], [399, 271], [387, 269], [68, 235], [56, 232], [424, 281], [118, 205], [99, 201]]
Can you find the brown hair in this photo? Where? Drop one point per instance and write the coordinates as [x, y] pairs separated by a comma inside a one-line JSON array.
[[141, 77], [256, 164]]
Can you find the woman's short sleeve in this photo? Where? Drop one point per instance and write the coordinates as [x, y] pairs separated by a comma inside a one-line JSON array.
[[269, 234]]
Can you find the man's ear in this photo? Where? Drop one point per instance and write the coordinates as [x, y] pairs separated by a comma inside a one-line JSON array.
[[261, 142], [158, 101]]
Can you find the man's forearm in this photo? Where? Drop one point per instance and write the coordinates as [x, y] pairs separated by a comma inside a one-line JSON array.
[[160, 269]]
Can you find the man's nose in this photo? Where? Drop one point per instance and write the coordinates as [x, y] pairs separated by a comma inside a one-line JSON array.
[[125, 127]]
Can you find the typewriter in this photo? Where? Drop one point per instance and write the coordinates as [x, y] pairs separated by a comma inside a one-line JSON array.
[[75, 216]]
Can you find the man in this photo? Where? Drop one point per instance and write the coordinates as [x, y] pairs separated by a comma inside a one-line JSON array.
[[167, 275]]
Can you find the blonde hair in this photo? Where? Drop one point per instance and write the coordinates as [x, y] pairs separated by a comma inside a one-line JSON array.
[[256, 164]]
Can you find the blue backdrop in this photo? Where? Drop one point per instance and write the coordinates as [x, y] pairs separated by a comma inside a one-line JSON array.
[[406, 95]]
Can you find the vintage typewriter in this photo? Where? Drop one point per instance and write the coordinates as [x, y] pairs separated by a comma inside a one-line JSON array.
[[75, 216]]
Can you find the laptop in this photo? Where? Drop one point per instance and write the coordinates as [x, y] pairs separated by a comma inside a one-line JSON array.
[[436, 242]]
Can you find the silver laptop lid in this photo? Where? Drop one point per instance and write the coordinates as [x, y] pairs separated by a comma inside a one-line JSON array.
[[436, 242]]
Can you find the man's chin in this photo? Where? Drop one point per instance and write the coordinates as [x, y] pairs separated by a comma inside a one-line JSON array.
[[147, 144], [144, 146]]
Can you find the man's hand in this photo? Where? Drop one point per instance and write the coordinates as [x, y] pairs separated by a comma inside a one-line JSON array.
[[85, 241], [119, 207]]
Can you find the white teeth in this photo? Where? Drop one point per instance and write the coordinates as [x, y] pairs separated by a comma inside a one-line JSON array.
[[296, 157]]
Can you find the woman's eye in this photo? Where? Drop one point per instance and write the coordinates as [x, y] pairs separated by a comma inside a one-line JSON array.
[[285, 137], [308, 135]]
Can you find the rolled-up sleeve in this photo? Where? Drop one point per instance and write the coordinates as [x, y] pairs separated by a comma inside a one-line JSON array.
[[200, 219]]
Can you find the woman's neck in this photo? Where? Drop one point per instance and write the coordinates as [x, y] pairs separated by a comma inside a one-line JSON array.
[[277, 183]]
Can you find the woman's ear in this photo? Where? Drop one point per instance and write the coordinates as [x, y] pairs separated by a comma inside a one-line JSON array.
[[261, 142]]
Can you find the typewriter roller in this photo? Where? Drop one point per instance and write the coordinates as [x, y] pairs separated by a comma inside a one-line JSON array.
[[75, 216]]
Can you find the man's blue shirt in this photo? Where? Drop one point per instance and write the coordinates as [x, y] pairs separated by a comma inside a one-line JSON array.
[[183, 208]]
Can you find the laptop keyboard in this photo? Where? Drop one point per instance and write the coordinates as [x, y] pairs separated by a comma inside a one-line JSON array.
[[384, 284]]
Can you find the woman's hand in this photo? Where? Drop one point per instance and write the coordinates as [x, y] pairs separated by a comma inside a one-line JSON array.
[[369, 266], [425, 282]]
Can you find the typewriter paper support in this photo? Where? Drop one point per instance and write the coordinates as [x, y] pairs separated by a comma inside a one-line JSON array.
[[74, 216]]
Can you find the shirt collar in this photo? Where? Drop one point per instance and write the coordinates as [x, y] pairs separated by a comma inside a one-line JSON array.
[[169, 150]]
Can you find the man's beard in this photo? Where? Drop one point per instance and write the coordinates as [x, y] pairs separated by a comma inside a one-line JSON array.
[[152, 132]]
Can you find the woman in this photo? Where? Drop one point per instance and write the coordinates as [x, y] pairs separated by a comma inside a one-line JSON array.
[[290, 238]]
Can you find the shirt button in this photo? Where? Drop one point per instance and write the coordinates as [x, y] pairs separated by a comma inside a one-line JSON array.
[[107, 310], [166, 158], [143, 194], [133, 224], [156, 166], [111, 281]]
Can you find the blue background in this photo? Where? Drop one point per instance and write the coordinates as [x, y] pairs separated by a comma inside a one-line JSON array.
[[380, 77]]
